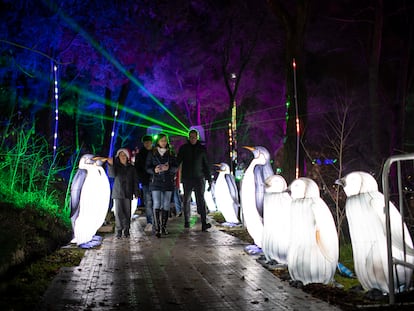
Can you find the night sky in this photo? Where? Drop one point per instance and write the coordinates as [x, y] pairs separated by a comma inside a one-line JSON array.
[[170, 63]]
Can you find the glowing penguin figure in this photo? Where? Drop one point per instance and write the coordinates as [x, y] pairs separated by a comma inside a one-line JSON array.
[[314, 246], [209, 198], [252, 192], [227, 194], [276, 219], [134, 205], [90, 195], [366, 219]]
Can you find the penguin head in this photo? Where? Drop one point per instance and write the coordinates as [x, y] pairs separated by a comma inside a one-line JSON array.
[[297, 189], [312, 189], [85, 160], [223, 168], [357, 182], [275, 184], [261, 155], [303, 187]]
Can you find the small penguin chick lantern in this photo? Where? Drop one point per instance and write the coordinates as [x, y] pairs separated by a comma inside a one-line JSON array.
[[314, 246], [276, 220]]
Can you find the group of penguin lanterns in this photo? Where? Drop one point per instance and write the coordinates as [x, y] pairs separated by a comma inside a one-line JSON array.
[[296, 230], [293, 226]]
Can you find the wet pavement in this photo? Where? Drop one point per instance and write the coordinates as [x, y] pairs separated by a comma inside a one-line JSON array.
[[186, 270]]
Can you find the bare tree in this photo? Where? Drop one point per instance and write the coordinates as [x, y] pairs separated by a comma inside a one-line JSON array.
[[334, 158], [340, 129]]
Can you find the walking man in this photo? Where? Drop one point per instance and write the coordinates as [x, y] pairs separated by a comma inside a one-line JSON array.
[[195, 171]]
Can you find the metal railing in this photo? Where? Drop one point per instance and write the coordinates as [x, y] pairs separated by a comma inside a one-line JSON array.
[[385, 185]]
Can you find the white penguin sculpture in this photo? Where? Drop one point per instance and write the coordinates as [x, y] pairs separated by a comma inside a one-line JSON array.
[[366, 219], [90, 195], [252, 192], [227, 194], [276, 220], [314, 246]]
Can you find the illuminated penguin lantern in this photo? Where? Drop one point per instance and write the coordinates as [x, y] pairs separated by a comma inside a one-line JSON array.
[[227, 195], [90, 195], [364, 209], [314, 246], [252, 192], [276, 220]]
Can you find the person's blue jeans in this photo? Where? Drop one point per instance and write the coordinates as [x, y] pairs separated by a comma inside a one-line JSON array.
[[147, 203], [177, 201], [161, 200]]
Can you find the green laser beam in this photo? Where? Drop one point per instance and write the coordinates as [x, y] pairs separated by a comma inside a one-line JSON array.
[[90, 95], [171, 130], [113, 104], [112, 60]]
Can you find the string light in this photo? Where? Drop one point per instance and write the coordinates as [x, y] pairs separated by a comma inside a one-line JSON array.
[[56, 96], [111, 146]]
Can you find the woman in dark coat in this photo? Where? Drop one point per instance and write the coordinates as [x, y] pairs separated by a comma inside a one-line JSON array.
[[161, 163]]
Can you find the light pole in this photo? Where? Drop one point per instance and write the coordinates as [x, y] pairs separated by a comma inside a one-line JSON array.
[[296, 119]]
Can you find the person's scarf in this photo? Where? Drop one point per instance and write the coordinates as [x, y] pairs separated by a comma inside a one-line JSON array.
[[162, 151]]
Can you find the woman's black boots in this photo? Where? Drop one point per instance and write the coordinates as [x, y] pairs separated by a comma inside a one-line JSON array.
[[164, 222], [157, 223]]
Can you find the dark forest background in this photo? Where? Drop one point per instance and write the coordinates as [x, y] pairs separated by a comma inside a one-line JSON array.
[[353, 83]]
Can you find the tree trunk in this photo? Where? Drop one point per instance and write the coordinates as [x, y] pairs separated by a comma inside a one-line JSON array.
[[295, 27], [374, 104]]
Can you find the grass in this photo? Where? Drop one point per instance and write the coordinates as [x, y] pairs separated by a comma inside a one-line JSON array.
[[25, 289], [30, 241]]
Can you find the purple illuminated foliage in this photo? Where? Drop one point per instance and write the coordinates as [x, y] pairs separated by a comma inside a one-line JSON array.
[[182, 53]]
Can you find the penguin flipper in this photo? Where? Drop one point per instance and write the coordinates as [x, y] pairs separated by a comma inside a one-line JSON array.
[[259, 186], [231, 183], [76, 189], [326, 234]]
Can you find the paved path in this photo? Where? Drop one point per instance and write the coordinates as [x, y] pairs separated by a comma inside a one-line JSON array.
[[186, 270]]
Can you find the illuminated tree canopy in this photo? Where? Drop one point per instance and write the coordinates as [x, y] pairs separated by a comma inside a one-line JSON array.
[[165, 61]]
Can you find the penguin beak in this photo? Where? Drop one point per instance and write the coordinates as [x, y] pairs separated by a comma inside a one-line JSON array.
[[267, 184], [340, 182], [218, 165], [249, 148]]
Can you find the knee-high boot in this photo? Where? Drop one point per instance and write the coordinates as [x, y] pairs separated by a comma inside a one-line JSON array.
[[164, 221], [157, 223]]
